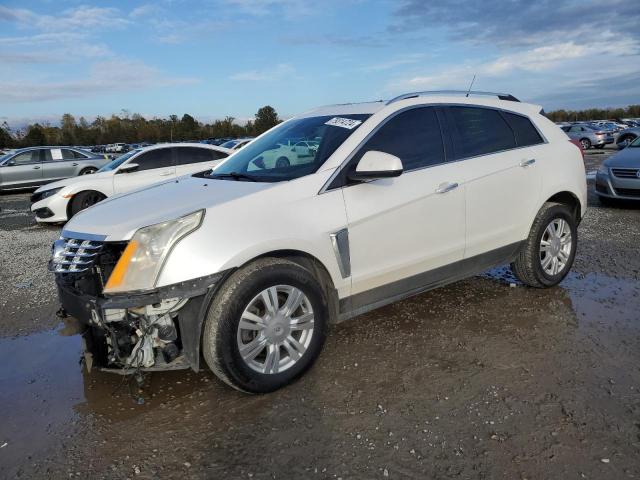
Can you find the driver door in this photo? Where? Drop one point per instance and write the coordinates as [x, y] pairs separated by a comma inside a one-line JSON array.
[[154, 166], [403, 229]]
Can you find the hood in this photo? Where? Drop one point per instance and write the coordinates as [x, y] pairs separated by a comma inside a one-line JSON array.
[[629, 157], [118, 218], [76, 181]]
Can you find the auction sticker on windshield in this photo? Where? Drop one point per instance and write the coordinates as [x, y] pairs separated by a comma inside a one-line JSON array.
[[344, 123]]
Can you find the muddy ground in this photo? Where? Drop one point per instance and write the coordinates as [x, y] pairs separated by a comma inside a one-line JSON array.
[[481, 379]]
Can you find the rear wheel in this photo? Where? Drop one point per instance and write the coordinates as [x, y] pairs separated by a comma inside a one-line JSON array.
[[586, 143], [282, 162], [84, 200], [548, 253], [266, 326], [88, 171]]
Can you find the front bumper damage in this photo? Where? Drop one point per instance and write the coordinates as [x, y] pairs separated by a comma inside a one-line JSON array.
[[151, 331]]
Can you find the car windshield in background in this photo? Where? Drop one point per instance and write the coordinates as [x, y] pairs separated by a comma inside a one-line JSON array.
[[294, 149], [118, 161], [5, 157]]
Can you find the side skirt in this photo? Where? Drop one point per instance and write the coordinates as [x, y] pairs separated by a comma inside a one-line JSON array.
[[384, 295]]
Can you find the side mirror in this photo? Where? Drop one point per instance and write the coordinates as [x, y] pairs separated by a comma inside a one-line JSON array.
[[128, 168], [374, 165]]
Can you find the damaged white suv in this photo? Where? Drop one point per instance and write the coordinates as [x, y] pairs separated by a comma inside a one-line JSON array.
[[248, 264]]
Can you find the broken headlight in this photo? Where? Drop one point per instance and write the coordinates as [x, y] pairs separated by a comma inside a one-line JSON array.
[[139, 265]]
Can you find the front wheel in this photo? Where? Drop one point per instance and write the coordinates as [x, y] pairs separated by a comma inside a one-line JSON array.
[[547, 254], [586, 143], [266, 326], [84, 200]]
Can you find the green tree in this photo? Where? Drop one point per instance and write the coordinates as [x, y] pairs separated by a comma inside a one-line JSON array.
[[265, 118], [68, 127], [35, 136], [6, 139]]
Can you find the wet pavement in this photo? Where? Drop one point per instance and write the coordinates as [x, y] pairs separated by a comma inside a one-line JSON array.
[[481, 379]]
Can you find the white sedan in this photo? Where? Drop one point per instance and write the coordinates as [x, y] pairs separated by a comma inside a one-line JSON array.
[[59, 201]]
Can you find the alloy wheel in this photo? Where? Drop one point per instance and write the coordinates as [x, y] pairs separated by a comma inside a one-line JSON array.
[[555, 246], [275, 329]]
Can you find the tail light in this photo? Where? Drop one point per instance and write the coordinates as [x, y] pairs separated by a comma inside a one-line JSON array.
[[579, 145], [601, 133]]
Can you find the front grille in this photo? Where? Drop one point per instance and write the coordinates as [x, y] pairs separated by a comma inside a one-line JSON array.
[[71, 255], [628, 192], [625, 172]]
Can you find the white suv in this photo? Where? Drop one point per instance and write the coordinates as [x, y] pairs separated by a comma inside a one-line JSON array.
[[248, 264]]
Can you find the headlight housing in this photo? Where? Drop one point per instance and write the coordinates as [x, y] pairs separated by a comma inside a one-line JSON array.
[[140, 264], [36, 197]]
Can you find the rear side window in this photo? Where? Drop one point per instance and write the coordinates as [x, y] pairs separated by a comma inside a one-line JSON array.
[[526, 133], [158, 158], [188, 155], [68, 154], [414, 136], [479, 131]]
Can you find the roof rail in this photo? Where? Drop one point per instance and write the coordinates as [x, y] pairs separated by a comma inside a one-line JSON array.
[[501, 96]]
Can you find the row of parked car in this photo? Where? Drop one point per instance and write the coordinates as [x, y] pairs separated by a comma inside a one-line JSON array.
[[243, 258], [598, 134]]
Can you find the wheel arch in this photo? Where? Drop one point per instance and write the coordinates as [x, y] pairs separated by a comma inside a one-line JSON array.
[[571, 200], [74, 195]]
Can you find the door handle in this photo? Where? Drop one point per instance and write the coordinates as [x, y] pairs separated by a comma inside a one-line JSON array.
[[527, 163], [74, 164], [36, 168], [446, 187], [165, 174]]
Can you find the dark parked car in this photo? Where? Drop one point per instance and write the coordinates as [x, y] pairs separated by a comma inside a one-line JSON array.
[[625, 137], [35, 166], [619, 175]]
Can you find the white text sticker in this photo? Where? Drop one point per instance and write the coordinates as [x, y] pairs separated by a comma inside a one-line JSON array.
[[56, 154], [344, 123]]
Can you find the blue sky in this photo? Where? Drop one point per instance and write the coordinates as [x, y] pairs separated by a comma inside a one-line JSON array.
[[215, 58]]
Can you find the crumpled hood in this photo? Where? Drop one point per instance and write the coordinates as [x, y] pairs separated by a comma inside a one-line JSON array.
[[74, 181], [629, 157], [119, 217]]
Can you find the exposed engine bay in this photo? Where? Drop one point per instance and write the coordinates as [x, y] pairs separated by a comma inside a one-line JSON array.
[[136, 338]]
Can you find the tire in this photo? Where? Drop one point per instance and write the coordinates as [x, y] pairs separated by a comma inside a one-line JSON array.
[[599, 147], [223, 338], [88, 171], [586, 143], [282, 162], [528, 265], [84, 200]]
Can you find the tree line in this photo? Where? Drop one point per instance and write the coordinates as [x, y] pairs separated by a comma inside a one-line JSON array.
[[134, 128], [632, 111]]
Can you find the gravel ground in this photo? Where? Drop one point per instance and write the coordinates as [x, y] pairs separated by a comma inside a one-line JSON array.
[[481, 379]]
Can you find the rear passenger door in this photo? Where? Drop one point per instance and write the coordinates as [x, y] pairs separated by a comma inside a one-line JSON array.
[[154, 166], [502, 179], [400, 228], [58, 163], [195, 159]]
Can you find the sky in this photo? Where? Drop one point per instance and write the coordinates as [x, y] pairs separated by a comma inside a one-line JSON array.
[[217, 58]]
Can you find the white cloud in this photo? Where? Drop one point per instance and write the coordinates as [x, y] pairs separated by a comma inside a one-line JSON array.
[[290, 8], [400, 61], [279, 72], [82, 17]]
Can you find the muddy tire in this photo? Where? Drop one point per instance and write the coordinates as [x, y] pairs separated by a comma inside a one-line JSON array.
[[84, 200], [547, 254], [254, 318]]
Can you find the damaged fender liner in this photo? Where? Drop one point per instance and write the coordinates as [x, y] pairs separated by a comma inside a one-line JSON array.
[[199, 291]]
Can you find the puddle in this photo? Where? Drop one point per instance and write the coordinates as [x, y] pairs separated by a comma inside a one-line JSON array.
[[46, 391]]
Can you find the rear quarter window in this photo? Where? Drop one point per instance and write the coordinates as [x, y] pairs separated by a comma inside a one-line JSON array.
[[526, 134]]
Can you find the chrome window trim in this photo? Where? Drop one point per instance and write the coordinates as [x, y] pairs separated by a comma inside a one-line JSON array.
[[336, 172]]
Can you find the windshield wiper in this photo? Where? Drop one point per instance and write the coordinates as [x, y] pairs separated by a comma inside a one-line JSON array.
[[234, 175]]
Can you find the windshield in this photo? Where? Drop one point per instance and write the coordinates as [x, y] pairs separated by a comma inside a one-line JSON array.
[[294, 149], [118, 161], [635, 143], [5, 156]]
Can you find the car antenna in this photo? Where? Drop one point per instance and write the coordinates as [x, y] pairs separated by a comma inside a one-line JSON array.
[[473, 80]]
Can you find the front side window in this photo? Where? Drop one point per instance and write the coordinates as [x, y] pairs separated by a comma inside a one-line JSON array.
[[414, 136], [479, 131], [25, 158], [188, 155], [112, 165], [158, 158], [293, 149]]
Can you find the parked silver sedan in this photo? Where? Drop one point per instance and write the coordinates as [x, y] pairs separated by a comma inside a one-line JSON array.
[[36, 166], [588, 136], [619, 175]]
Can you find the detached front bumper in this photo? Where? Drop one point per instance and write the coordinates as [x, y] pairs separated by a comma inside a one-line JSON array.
[[112, 321]]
